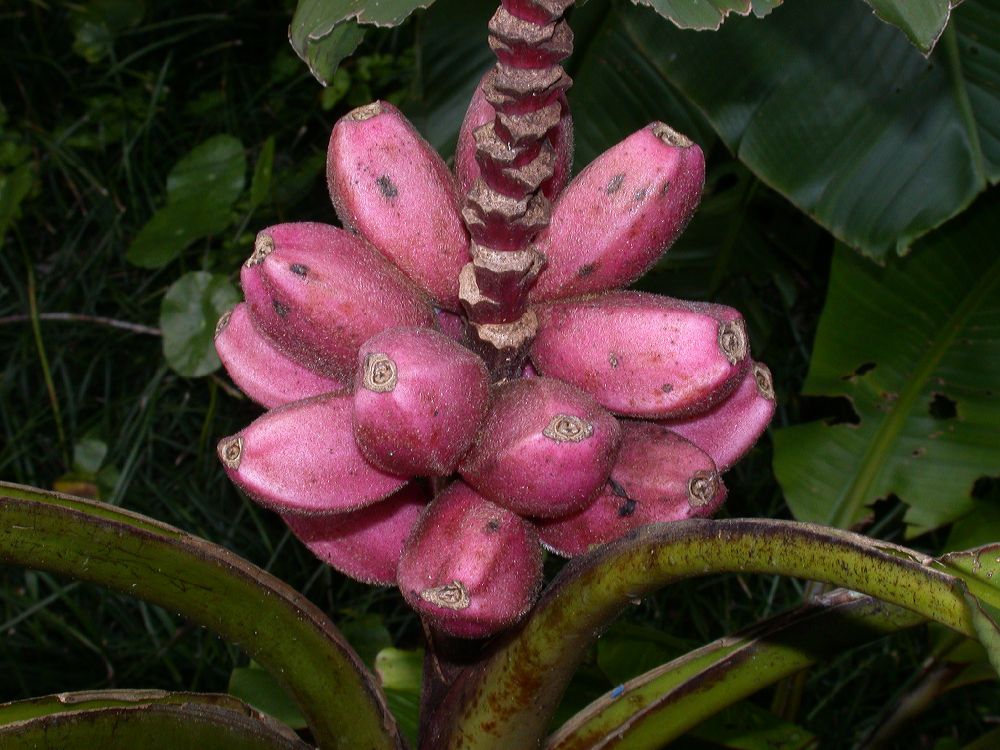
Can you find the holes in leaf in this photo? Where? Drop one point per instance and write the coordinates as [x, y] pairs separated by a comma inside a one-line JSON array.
[[942, 407], [832, 409], [986, 488], [863, 369]]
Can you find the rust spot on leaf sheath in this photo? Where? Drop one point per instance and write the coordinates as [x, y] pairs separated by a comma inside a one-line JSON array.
[[586, 270], [616, 184], [298, 269], [280, 308]]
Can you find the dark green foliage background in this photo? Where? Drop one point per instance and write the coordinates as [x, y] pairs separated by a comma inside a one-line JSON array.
[[93, 122]]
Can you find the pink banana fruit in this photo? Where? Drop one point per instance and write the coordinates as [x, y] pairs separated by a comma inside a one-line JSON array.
[[620, 214], [260, 369], [451, 325], [480, 113], [643, 355], [419, 398], [545, 448], [390, 185], [728, 431], [659, 476], [302, 459], [364, 544], [470, 567], [320, 292]]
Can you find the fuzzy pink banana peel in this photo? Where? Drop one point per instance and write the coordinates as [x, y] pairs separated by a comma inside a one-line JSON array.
[[364, 544], [302, 459], [659, 476], [643, 355], [470, 568], [620, 214], [260, 369], [451, 325], [729, 431], [467, 168], [419, 398], [320, 292], [545, 448], [390, 185]]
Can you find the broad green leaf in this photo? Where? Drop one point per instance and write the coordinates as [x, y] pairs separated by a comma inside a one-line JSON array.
[[400, 669], [214, 171], [923, 21], [210, 586], [629, 650], [14, 186], [980, 526], [96, 23], [324, 32], [400, 673], [854, 126], [617, 90], [674, 698], [149, 719], [697, 14], [201, 190], [367, 635], [188, 314], [453, 55], [980, 568], [323, 54], [319, 16], [985, 620], [258, 688], [914, 348], [405, 707], [174, 227], [83, 478], [746, 726], [260, 185], [504, 704], [89, 454]]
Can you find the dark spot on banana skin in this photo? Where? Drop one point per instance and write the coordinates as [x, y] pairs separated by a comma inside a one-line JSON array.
[[627, 508], [386, 187]]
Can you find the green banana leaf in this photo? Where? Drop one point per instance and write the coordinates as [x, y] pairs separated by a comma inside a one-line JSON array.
[[509, 700], [655, 708], [324, 32], [155, 562], [837, 111], [150, 719], [914, 347]]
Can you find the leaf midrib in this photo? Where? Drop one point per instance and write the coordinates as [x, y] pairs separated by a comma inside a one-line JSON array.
[[890, 427]]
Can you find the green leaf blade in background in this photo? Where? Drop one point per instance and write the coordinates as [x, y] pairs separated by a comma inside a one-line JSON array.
[[452, 55], [324, 32], [147, 718], [188, 315], [205, 583], [923, 21], [506, 703], [697, 15], [201, 190], [609, 68], [902, 343], [215, 170], [855, 127]]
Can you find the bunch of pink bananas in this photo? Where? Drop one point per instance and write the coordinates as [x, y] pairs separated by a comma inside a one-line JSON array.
[[388, 450]]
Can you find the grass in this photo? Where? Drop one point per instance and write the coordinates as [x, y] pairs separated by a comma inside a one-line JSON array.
[[98, 138]]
